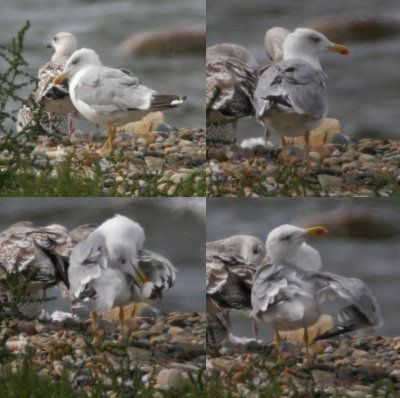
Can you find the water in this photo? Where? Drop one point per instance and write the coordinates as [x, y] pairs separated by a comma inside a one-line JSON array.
[[103, 25], [174, 228], [362, 87], [375, 261]]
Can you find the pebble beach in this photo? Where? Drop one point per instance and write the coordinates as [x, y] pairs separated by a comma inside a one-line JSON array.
[[164, 351], [365, 168], [338, 369]]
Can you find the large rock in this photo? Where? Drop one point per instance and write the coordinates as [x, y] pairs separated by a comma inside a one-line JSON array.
[[145, 125], [320, 135], [347, 28], [168, 42], [324, 323]]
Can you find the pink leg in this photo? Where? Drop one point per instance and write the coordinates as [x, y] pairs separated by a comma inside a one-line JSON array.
[[266, 136], [50, 124], [69, 126], [227, 319], [255, 330]]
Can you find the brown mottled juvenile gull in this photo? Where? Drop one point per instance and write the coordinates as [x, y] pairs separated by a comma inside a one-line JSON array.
[[39, 255], [231, 77], [230, 266], [109, 96], [288, 293], [291, 96], [105, 270], [58, 105]]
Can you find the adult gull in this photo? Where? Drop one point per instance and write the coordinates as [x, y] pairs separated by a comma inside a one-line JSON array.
[[105, 270], [109, 96], [288, 293], [291, 97]]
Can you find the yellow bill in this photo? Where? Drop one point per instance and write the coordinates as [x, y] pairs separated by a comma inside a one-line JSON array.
[[339, 48], [60, 78], [315, 231]]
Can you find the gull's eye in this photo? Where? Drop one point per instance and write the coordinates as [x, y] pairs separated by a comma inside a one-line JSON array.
[[285, 237], [55, 38], [122, 260], [255, 250], [75, 61], [315, 38]]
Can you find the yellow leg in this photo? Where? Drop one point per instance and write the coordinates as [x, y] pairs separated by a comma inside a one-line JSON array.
[[93, 316], [283, 143], [121, 321], [307, 141], [111, 132], [277, 343], [306, 343]]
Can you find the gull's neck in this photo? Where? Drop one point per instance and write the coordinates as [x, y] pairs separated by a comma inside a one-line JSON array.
[[292, 51]]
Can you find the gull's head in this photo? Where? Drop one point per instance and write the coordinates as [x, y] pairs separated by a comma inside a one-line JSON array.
[[64, 44], [252, 249], [308, 44], [273, 41], [288, 243], [123, 238], [79, 59]]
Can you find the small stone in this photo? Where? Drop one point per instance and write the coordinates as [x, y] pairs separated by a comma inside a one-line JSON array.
[[175, 330], [329, 182], [169, 378]]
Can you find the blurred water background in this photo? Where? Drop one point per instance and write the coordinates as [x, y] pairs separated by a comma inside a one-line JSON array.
[[362, 87], [174, 228], [346, 251], [103, 25]]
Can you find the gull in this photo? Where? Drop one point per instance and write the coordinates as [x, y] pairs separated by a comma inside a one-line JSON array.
[[38, 255], [231, 77], [230, 266], [291, 96], [273, 42], [288, 293], [109, 96], [56, 98], [104, 270]]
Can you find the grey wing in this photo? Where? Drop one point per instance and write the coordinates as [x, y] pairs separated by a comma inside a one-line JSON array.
[[157, 268], [292, 84], [86, 263], [268, 283], [363, 305], [108, 90]]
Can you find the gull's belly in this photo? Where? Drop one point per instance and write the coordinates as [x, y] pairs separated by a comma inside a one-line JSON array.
[[289, 124], [290, 316]]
